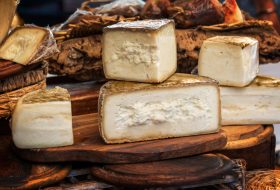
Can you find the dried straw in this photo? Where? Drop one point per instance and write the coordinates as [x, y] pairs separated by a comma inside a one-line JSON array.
[[263, 180], [24, 79], [88, 25], [9, 100]]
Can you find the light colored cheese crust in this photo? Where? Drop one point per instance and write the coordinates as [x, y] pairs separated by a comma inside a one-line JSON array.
[[261, 81], [176, 81], [50, 95], [265, 81], [234, 40], [141, 25]]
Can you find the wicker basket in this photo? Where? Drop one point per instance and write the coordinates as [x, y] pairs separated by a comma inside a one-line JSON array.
[[263, 180], [9, 100], [27, 78]]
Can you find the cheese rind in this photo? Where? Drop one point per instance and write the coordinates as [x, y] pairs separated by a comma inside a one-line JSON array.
[[258, 103], [7, 12], [141, 51], [183, 105], [231, 60], [43, 124]]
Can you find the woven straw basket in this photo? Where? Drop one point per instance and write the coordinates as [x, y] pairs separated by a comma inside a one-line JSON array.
[[8, 100], [263, 180], [14, 87]]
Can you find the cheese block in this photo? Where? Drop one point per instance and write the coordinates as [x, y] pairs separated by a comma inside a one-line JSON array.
[[258, 103], [7, 12], [183, 105], [43, 119], [141, 51], [23, 44], [231, 60]]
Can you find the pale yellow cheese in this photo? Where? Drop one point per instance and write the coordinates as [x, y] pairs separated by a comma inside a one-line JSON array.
[[141, 51], [43, 119], [231, 60], [258, 103]]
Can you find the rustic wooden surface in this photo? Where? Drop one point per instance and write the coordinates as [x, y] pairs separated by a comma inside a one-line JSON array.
[[84, 95], [191, 171], [235, 133], [84, 185], [8, 68], [18, 174], [89, 146], [246, 136], [255, 144]]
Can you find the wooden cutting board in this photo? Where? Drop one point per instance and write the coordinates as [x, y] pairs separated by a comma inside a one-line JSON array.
[[18, 174], [246, 136], [197, 171], [89, 146], [253, 143]]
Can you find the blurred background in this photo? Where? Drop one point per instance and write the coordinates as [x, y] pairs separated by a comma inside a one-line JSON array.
[[50, 12]]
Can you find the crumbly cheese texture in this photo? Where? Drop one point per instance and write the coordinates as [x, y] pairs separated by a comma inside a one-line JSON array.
[[258, 103], [231, 60], [43, 119], [141, 51], [22, 44], [183, 105]]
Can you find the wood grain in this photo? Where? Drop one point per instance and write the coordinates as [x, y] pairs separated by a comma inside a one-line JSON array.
[[90, 147], [84, 95], [191, 172], [18, 174], [255, 144], [235, 133], [8, 68], [246, 136]]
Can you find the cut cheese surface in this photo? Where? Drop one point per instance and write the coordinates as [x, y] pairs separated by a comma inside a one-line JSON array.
[[231, 60], [23, 44], [258, 103], [141, 51], [181, 106], [43, 119]]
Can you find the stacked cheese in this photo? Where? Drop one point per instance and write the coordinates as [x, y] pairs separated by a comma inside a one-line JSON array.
[[178, 105], [246, 98]]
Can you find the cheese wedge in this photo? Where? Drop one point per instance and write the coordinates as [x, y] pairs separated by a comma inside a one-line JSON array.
[[231, 60], [183, 105], [23, 44], [43, 119], [141, 51], [258, 103], [7, 12]]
